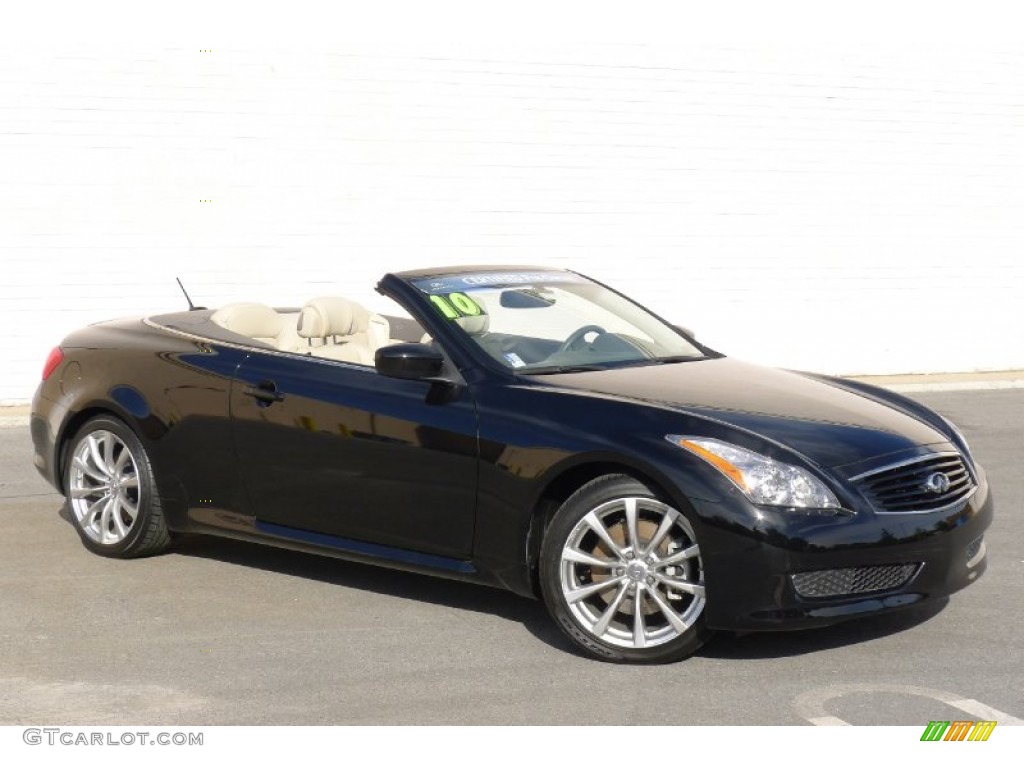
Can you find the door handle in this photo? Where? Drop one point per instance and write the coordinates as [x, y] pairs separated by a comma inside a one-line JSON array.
[[265, 393]]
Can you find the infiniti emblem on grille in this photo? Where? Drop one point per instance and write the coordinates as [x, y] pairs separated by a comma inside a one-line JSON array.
[[937, 483]]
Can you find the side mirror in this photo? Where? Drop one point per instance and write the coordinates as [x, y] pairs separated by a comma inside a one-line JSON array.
[[685, 331], [418, 362]]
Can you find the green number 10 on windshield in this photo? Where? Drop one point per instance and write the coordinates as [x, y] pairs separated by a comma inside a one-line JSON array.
[[456, 305]]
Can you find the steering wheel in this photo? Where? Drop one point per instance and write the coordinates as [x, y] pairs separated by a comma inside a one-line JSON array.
[[578, 335]]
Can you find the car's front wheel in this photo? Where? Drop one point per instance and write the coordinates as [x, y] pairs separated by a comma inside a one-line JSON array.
[[622, 574], [111, 491]]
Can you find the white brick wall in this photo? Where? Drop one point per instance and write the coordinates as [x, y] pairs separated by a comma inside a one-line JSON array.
[[847, 210]]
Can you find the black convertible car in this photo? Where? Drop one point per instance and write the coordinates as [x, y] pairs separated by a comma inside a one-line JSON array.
[[530, 429]]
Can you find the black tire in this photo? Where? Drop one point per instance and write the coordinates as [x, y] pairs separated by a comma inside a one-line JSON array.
[[576, 558], [111, 492]]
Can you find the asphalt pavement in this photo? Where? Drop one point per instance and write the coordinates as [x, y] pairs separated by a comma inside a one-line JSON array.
[[220, 632]]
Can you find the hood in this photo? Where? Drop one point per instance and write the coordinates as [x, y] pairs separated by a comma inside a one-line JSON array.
[[826, 423]]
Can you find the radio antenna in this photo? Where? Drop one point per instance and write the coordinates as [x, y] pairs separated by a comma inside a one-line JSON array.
[[191, 307]]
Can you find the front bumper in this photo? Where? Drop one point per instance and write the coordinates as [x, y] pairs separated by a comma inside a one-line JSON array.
[[751, 558]]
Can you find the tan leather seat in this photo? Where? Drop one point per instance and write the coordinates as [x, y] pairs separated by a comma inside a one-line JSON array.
[[378, 333], [258, 322], [474, 325], [288, 340], [330, 326], [342, 328], [247, 318]]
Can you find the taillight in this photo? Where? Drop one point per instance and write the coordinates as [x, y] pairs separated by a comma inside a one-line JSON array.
[[55, 358]]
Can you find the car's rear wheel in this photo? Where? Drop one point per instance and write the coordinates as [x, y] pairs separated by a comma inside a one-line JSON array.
[[622, 574], [111, 492]]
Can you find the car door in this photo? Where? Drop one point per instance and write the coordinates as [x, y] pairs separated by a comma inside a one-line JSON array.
[[332, 448]]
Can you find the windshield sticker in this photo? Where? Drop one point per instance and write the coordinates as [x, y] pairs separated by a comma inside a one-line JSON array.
[[454, 283], [514, 360], [456, 305]]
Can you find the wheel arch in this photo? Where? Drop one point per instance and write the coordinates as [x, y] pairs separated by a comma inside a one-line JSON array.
[[145, 532], [67, 432], [74, 423], [568, 479]]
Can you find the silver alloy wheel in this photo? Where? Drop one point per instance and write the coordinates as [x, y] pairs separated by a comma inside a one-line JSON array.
[[631, 573], [104, 487]]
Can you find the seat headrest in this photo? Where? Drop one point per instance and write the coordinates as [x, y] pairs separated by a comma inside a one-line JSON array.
[[332, 316], [249, 319], [474, 325]]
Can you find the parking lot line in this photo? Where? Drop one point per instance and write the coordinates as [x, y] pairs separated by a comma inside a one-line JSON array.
[[811, 705]]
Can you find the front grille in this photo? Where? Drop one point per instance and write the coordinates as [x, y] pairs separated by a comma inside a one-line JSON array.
[[904, 487], [837, 582]]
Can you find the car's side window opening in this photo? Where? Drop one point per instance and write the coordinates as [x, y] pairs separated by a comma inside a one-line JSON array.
[[405, 329], [329, 327]]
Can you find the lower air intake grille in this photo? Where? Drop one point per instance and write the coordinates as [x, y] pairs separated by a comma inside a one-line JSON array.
[[853, 581], [974, 547], [975, 551]]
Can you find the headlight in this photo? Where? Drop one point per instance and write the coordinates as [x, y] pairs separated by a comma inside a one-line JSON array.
[[762, 480]]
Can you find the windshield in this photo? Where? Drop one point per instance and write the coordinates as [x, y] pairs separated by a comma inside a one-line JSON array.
[[552, 322]]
